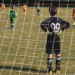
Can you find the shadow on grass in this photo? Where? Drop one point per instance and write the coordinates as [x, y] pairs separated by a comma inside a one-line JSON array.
[[23, 69]]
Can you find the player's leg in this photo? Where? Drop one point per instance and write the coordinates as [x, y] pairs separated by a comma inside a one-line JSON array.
[[58, 63], [24, 11], [58, 59], [12, 25], [49, 63], [2, 9], [38, 12], [49, 51]]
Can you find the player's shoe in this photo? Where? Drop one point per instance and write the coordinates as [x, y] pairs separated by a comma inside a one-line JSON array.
[[12, 29], [50, 72], [58, 72]]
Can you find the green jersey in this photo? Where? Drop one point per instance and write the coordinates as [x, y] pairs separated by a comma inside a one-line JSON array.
[[38, 9], [12, 15]]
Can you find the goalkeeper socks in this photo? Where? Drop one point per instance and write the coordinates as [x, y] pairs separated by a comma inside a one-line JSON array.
[[12, 26], [49, 63], [58, 63]]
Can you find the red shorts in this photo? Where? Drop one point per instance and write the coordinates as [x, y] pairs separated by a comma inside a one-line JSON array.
[[3, 8], [24, 10]]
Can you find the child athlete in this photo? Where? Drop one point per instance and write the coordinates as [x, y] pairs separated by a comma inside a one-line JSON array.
[[53, 25], [13, 16], [38, 9], [3, 7], [73, 16], [24, 8]]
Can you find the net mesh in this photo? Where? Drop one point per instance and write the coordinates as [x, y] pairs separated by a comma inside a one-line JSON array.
[[22, 50]]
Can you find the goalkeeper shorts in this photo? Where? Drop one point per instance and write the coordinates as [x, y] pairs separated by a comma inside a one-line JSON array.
[[53, 45]]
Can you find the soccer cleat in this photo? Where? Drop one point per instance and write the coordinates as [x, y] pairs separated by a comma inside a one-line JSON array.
[[12, 29], [50, 72], [58, 72]]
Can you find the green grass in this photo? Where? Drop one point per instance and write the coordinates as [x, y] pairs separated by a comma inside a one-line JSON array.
[[23, 50]]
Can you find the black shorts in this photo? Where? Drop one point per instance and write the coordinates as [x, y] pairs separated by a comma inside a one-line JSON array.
[[53, 44]]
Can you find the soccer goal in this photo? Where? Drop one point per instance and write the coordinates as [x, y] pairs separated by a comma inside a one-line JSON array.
[[23, 50]]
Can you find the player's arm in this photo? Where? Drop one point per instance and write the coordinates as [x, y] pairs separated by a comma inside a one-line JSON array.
[[23, 7], [26, 7], [4, 6], [15, 16], [72, 16], [44, 25], [8, 16], [65, 25]]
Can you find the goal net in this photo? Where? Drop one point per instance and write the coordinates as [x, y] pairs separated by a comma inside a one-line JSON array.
[[23, 50]]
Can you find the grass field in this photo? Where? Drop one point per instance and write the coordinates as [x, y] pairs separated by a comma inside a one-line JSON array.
[[22, 50]]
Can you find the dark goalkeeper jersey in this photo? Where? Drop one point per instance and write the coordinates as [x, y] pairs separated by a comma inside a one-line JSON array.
[[54, 25]]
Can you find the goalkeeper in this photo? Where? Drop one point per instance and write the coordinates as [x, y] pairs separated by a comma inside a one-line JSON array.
[[52, 26], [38, 9], [12, 15], [73, 16]]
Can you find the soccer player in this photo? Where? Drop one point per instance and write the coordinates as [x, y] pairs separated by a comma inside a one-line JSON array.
[[3, 7], [73, 16], [24, 8], [38, 9], [53, 26], [13, 16]]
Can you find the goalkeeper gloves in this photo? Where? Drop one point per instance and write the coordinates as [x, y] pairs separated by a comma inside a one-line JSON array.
[[49, 33], [59, 32]]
